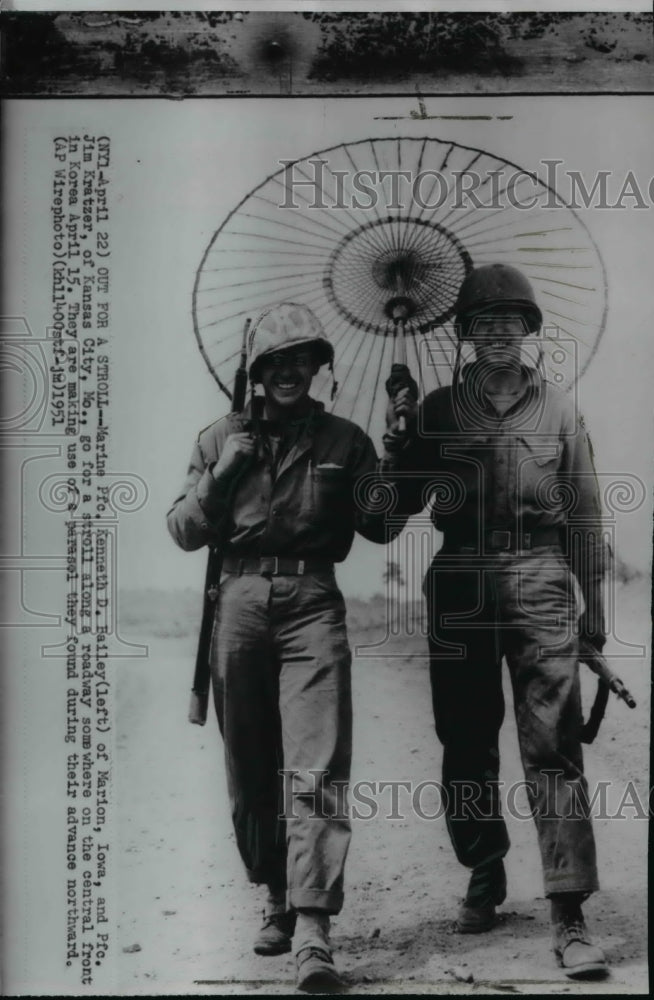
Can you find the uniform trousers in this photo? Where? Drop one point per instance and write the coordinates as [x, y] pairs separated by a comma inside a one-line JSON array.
[[521, 606], [280, 664]]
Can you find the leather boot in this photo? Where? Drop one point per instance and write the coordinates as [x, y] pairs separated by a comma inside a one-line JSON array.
[[276, 933], [486, 890], [574, 950], [275, 936]]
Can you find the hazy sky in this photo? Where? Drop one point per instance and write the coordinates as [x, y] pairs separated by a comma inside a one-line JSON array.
[[179, 167]]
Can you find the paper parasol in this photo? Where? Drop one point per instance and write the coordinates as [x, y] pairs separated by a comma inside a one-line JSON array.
[[359, 253]]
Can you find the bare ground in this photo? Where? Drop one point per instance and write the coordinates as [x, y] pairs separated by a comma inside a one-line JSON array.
[[184, 900]]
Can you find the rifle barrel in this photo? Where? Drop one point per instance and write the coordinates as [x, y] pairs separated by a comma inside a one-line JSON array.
[[597, 663], [618, 688], [241, 378]]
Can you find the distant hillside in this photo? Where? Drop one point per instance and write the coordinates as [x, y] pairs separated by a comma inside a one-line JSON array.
[[496, 44], [205, 52], [177, 613]]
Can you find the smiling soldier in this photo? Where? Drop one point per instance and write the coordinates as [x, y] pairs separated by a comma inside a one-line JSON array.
[[273, 488], [527, 514]]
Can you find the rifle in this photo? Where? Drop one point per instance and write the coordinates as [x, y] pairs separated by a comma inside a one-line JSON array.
[[197, 713], [608, 681]]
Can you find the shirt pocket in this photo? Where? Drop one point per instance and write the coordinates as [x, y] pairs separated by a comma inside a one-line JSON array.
[[537, 465], [328, 491]]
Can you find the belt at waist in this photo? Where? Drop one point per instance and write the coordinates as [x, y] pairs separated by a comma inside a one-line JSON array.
[[275, 565], [500, 540]]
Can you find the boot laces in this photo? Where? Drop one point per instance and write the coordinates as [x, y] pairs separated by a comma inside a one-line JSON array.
[[276, 918], [573, 930], [314, 951]]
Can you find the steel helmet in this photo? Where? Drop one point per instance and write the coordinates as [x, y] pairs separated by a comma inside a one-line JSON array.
[[287, 324], [496, 285]]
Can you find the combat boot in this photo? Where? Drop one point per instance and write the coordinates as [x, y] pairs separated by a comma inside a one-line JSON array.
[[276, 934], [486, 890], [316, 972], [574, 950]]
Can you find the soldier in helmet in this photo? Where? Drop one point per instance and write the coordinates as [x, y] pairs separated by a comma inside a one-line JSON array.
[[273, 488], [520, 542]]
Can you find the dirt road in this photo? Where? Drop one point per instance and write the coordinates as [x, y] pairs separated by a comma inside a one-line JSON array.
[[184, 900]]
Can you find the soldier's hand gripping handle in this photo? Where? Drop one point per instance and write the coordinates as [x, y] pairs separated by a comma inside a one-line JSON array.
[[238, 448], [402, 389], [400, 421]]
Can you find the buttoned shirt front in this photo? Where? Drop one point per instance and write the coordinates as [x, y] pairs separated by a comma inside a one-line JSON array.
[[526, 469], [295, 499]]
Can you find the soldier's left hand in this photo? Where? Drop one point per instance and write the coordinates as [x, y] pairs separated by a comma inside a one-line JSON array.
[[403, 404]]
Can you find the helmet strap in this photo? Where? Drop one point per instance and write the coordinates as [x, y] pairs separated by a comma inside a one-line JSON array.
[[456, 371], [540, 365], [334, 382], [253, 408]]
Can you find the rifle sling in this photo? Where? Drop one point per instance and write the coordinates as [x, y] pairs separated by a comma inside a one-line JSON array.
[[590, 728]]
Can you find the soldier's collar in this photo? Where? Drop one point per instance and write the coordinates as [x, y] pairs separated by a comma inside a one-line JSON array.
[[315, 410], [534, 379]]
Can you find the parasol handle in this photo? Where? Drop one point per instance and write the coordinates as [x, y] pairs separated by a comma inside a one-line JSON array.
[[401, 420], [399, 309], [401, 378]]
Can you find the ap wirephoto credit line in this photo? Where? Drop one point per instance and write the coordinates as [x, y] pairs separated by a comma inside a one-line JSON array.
[[327, 502]]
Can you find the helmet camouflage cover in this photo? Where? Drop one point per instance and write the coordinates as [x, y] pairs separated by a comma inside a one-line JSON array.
[[283, 326], [491, 287]]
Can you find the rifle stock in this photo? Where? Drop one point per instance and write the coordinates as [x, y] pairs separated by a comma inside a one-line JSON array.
[[197, 712]]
